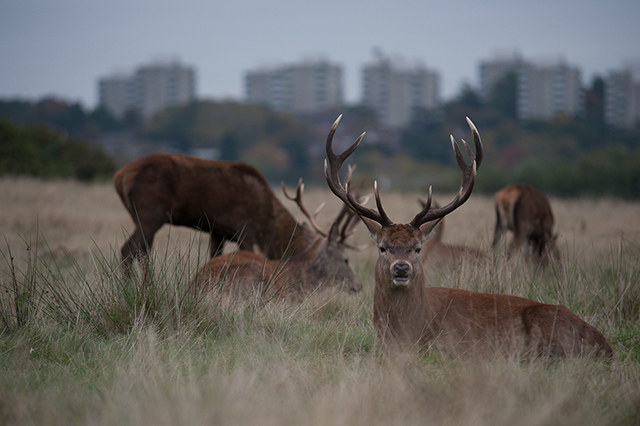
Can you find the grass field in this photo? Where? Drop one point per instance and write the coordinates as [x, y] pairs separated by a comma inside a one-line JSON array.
[[82, 345]]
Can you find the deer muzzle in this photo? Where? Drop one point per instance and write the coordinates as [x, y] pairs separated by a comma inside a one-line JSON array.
[[401, 273]]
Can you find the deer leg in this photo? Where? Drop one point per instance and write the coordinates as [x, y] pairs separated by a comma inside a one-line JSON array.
[[519, 240], [498, 232], [137, 247]]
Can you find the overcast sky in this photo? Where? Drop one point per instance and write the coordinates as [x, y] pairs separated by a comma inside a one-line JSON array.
[[62, 47]]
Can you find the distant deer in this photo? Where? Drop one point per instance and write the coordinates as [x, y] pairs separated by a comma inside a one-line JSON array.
[[439, 254], [526, 212], [324, 263], [408, 315], [229, 200]]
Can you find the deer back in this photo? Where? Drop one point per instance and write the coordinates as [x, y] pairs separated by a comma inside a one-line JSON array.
[[247, 274]]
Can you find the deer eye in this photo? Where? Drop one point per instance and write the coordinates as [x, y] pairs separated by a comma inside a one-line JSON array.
[[418, 250], [382, 249]]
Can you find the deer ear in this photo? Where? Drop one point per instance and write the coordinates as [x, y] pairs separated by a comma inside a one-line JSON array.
[[427, 229], [372, 226]]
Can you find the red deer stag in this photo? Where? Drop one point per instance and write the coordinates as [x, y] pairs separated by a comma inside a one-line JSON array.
[[229, 200], [245, 274], [526, 212], [408, 315]]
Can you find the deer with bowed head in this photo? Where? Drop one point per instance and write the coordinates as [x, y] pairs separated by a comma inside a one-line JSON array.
[[323, 263], [526, 212], [409, 316], [230, 200]]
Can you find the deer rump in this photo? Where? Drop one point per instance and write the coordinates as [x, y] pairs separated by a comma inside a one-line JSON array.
[[526, 212]]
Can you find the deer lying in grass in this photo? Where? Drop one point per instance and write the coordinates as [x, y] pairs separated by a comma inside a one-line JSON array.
[[436, 253], [526, 212], [323, 263], [408, 315], [229, 200]]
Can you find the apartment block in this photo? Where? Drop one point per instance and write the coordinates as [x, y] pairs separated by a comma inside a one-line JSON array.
[[622, 98], [150, 89], [547, 89], [306, 87], [395, 89], [495, 69], [118, 94]]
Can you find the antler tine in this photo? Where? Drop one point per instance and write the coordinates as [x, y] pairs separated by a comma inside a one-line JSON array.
[[477, 141], [332, 174], [466, 184], [303, 209]]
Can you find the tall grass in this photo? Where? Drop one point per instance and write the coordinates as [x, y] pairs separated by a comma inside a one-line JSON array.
[[81, 344]]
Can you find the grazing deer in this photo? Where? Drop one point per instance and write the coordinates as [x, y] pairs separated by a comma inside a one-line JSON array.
[[526, 212], [323, 263], [408, 315], [230, 200]]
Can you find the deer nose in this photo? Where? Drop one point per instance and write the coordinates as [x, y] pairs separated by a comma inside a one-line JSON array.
[[401, 269], [400, 272]]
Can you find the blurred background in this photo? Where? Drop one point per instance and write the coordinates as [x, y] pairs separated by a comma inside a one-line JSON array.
[[553, 87]]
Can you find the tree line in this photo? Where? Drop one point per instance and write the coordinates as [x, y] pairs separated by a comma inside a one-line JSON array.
[[569, 156]]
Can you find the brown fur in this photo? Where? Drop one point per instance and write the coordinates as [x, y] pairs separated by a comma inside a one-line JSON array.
[[409, 316], [230, 200], [460, 322], [526, 212], [245, 274]]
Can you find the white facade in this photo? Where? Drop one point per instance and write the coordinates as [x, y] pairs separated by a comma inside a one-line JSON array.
[[305, 87], [622, 98], [494, 70], [118, 94], [395, 90], [548, 90], [149, 90]]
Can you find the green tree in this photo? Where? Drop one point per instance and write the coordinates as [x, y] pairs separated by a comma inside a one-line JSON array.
[[40, 151]]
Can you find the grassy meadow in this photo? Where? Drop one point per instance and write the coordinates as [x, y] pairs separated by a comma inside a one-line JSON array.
[[80, 344]]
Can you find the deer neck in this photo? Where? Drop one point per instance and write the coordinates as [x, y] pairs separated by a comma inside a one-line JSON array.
[[400, 314], [289, 237]]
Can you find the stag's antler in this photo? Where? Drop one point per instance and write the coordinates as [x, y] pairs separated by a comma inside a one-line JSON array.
[[332, 174], [466, 185], [303, 209], [346, 229]]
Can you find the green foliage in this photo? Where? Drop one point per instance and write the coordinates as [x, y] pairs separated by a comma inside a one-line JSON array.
[[567, 157], [607, 172], [42, 152], [70, 118]]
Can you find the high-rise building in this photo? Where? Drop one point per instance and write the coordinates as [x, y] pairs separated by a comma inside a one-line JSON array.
[[622, 98], [495, 69], [395, 90], [546, 90], [150, 89], [305, 87], [118, 94]]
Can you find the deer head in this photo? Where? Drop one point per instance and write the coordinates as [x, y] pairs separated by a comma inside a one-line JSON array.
[[399, 245], [329, 262]]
